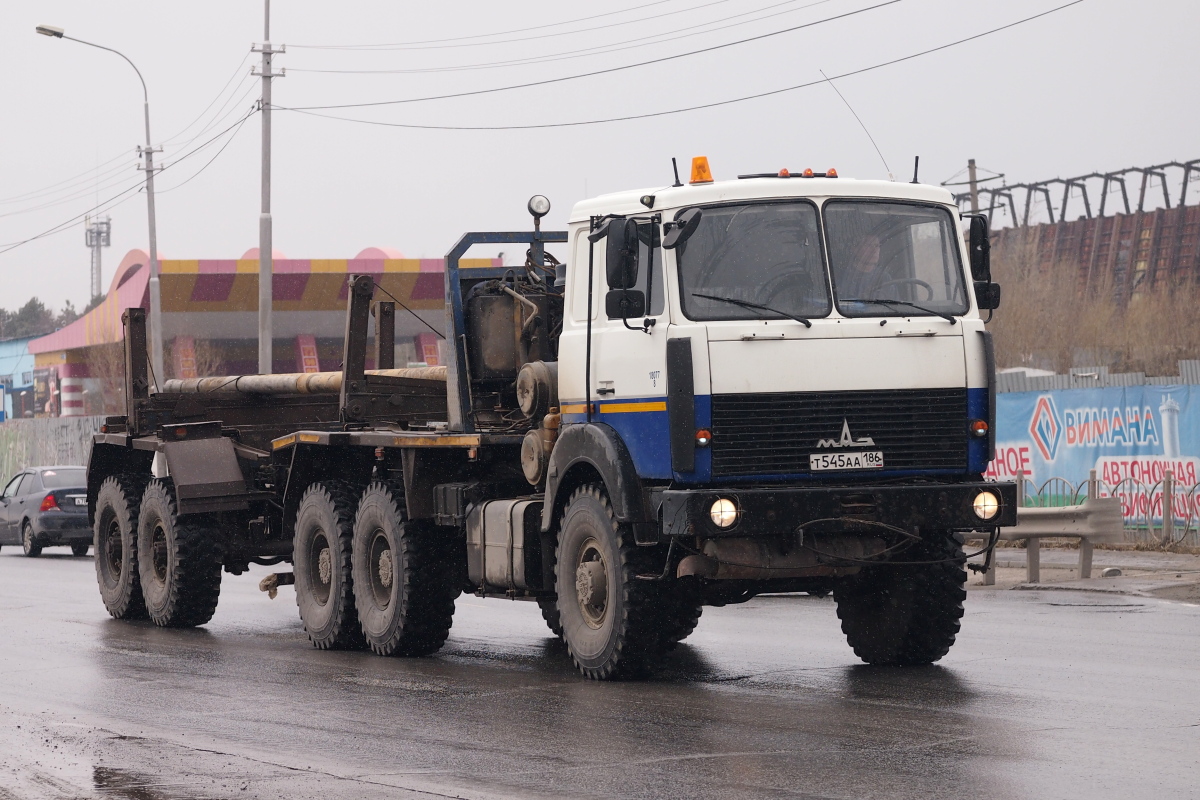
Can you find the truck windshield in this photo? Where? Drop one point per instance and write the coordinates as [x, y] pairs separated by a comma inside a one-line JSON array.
[[765, 254], [894, 259]]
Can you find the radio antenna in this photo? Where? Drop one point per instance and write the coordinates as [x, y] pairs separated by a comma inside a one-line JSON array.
[[860, 122], [675, 167]]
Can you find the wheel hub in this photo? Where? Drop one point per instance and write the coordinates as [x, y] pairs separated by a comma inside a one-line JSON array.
[[112, 548], [158, 551], [591, 585], [324, 567], [385, 569]]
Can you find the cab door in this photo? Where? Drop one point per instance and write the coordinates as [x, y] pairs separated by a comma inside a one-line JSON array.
[[627, 374]]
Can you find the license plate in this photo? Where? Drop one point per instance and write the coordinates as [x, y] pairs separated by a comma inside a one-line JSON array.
[[81, 501], [824, 462]]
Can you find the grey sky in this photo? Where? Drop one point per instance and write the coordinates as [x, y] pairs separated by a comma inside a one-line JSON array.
[[1101, 85]]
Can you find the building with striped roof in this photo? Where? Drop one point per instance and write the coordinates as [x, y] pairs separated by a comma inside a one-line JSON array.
[[210, 320]]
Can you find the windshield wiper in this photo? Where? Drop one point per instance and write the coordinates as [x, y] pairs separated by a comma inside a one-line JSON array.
[[748, 304], [876, 301]]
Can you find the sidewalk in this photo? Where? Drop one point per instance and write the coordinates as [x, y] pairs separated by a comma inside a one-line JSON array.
[[1169, 576]]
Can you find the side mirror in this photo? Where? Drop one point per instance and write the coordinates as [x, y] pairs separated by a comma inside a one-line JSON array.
[[980, 246], [987, 295], [621, 261], [625, 304], [682, 228]]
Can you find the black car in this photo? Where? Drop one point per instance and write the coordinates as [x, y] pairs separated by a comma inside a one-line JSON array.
[[46, 507]]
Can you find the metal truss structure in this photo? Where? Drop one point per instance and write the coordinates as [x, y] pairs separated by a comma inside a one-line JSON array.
[[1037, 199]]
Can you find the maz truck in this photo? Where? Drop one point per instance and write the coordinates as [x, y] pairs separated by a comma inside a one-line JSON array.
[[780, 383]]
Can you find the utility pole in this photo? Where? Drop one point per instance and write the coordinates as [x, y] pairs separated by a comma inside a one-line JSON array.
[[97, 235], [265, 243], [974, 185]]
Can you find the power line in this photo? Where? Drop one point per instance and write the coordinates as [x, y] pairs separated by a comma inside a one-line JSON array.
[[607, 71], [89, 176], [122, 196], [416, 45], [586, 52], [211, 160], [716, 104]]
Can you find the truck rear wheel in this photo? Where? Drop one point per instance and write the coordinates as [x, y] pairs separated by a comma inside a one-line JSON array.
[[118, 504], [406, 576], [906, 614], [611, 621], [321, 548], [179, 562]]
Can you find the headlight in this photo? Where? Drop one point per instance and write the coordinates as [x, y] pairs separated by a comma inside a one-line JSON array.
[[724, 513], [986, 505]]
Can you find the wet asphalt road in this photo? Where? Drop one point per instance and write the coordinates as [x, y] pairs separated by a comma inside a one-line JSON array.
[[1046, 695]]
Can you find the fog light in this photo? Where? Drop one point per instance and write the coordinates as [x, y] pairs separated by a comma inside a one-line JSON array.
[[986, 505], [724, 513]]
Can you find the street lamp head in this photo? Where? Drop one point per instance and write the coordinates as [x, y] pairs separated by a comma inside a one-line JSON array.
[[50, 30]]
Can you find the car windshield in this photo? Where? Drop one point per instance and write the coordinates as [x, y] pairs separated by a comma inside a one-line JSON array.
[[761, 254], [892, 259], [64, 478]]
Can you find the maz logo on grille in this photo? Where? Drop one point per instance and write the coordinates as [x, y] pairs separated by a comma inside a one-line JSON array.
[[847, 440]]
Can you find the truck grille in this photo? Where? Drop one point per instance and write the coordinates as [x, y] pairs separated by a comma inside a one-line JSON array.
[[774, 434]]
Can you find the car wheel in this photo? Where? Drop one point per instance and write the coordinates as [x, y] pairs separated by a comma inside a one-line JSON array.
[[28, 543]]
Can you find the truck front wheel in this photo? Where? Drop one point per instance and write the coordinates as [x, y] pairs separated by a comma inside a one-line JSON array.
[[178, 561], [906, 614], [115, 536], [406, 576], [611, 621], [321, 547]]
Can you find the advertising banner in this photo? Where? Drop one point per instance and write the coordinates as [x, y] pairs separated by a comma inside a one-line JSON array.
[[1131, 435]]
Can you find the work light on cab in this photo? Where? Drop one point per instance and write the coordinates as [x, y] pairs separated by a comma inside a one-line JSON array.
[[539, 205]]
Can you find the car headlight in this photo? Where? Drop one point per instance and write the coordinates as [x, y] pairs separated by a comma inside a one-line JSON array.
[[724, 513], [986, 505]]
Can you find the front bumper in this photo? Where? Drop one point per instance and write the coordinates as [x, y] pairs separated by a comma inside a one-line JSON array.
[[772, 511]]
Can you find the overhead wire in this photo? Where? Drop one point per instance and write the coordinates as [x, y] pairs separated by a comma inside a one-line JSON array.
[[89, 177], [124, 195], [607, 71], [587, 52], [416, 45], [630, 117]]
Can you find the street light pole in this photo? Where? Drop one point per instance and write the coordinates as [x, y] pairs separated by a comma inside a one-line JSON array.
[[266, 261], [156, 332]]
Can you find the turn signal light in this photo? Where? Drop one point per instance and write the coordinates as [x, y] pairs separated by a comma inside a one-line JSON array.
[[49, 504], [700, 171], [979, 428], [703, 437]]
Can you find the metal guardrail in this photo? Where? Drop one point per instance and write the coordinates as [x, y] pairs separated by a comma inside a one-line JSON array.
[[1164, 513]]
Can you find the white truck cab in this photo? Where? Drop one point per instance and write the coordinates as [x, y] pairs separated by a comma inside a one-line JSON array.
[[814, 316]]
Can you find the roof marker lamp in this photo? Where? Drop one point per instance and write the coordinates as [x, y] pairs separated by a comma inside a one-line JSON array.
[[986, 505], [724, 513]]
